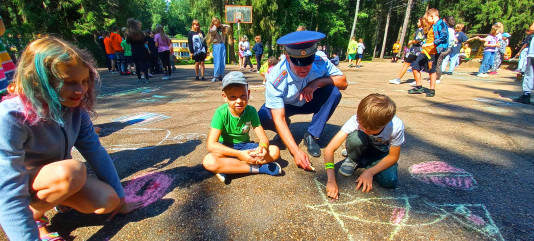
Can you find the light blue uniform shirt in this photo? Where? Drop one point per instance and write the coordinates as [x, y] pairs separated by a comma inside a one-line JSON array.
[[283, 87]]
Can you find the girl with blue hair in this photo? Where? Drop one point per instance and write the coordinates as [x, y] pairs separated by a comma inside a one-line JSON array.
[[45, 115]]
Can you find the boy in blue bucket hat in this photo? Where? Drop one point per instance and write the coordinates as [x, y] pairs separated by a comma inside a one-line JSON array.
[[303, 82]]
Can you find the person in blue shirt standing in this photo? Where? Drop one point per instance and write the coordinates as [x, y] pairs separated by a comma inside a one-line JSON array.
[[303, 82], [258, 50]]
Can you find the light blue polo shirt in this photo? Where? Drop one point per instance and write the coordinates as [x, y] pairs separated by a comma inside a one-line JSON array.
[[283, 87]]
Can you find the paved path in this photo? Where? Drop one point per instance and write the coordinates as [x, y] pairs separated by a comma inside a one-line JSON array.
[[465, 169]]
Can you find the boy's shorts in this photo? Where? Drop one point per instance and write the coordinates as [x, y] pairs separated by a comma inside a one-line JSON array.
[[352, 56], [242, 146], [422, 62], [360, 56], [111, 56], [410, 58]]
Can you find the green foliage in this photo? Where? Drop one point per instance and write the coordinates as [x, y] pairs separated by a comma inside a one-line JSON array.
[[77, 20]]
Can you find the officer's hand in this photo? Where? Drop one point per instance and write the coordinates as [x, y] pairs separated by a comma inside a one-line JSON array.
[[302, 159], [307, 92]]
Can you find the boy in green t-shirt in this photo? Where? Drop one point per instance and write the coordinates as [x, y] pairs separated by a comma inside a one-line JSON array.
[[231, 150]]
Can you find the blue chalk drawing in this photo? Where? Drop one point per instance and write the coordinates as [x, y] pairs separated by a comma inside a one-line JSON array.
[[129, 92], [141, 119]]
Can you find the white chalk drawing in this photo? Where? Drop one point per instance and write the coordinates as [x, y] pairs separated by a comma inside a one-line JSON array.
[[129, 92], [404, 212], [498, 102], [183, 138], [256, 86], [129, 138], [188, 100], [154, 98], [442, 174], [141, 119]]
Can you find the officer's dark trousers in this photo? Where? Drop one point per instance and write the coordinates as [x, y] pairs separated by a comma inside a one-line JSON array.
[[323, 105]]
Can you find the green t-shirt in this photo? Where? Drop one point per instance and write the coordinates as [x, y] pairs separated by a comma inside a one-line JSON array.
[[127, 48], [353, 47], [235, 129]]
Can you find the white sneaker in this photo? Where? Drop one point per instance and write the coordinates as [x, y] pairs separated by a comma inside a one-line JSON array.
[[394, 81], [413, 84], [214, 80], [483, 75], [221, 177]]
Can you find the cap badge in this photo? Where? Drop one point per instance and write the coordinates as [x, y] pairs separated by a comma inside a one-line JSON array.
[[303, 52]]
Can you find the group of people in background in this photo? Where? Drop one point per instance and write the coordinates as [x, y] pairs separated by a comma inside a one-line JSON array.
[[439, 43], [149, 51]]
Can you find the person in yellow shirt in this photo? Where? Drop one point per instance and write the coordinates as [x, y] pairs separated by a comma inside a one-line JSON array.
[[353, 50], [396, 50], [465, 52]]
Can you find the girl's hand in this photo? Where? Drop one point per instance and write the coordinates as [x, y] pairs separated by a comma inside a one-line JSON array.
[[124, 208]]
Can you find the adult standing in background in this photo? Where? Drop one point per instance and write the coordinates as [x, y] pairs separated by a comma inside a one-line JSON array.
[[197, 47], [218, 33], [137, 40], [163, 42]]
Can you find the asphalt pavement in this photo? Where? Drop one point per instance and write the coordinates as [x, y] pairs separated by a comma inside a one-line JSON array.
[[465, 168]]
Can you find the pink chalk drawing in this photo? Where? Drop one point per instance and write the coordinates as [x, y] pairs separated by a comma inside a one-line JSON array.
[[148, 188], [444, 175], [406, 214], [397, 215]]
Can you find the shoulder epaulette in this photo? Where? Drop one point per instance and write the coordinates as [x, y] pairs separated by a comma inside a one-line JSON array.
[[279, 79]]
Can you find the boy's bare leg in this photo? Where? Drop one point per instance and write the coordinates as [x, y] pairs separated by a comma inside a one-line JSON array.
[[403, 69], [218, 163], [202, 68], [417, 77], [433, 78], [273, 155], [196, 68]]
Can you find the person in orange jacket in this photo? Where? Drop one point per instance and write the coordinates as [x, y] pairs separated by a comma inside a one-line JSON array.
[[116, 41]]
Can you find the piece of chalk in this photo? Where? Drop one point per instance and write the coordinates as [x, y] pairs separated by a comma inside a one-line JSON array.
[[312, 168]]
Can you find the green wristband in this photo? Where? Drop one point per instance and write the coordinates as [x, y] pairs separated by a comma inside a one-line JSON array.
[[329, 165]]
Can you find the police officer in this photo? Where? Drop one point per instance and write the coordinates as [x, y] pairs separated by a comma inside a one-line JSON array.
[[303, 82]]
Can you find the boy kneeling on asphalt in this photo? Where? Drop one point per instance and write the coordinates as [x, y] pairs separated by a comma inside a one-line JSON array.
[[373, 139], [231, 150]]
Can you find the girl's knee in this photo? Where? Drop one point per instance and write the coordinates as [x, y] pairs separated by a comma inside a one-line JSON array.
[[70, 175]]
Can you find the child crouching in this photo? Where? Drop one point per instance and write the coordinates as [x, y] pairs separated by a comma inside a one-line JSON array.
[[231, 150], [373, 139]]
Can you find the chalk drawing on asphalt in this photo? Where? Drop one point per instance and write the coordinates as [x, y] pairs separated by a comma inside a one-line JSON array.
[[404, 212], [183, 138], [141, 119], [129, 92], [128, 139], [444, 175], [147, 189]]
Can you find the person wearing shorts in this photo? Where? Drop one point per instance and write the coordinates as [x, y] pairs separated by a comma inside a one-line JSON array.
[[197, 48]]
